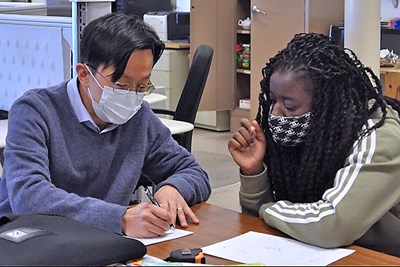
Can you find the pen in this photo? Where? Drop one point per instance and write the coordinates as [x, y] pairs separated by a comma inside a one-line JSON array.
[[155, 202]]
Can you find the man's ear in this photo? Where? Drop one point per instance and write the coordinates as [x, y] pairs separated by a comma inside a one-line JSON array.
[[83, 74]]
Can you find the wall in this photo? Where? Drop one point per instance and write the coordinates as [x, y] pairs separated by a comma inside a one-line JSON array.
[[388, 11], [46, 43]]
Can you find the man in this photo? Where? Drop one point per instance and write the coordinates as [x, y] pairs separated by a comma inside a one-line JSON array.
[[78, 149]]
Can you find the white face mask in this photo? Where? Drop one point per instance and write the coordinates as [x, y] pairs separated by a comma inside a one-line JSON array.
[[117, 108]]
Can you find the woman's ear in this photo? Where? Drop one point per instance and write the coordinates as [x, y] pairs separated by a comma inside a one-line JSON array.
[[83, 74]]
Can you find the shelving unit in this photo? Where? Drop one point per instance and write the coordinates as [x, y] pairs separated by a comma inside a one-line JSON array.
[[243, 71], [243, 31], [242, 76]]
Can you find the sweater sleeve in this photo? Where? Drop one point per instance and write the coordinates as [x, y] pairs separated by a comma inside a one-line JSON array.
[[364, 190], [168, 163], [28, 179], [254, 191]]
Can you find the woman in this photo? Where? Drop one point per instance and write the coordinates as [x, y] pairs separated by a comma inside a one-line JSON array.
[[321, 162]]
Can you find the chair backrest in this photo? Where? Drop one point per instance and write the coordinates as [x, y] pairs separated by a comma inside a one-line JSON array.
[[189, 101]]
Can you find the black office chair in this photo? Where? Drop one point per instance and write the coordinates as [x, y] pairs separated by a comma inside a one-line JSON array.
[[189, 101], [192, 92]]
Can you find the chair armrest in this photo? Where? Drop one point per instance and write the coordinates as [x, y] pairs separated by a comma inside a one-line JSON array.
[[163, 111], [177, 127]]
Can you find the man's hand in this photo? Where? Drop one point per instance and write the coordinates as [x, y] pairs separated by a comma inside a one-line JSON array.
[[171, 200], [145, 220]]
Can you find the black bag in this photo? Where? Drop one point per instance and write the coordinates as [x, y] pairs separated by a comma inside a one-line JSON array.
[[55, 240]]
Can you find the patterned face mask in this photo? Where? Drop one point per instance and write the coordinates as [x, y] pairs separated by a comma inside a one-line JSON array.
[[289, 131]]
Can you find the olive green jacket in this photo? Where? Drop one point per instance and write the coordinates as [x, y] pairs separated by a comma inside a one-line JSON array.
[[361, 207]]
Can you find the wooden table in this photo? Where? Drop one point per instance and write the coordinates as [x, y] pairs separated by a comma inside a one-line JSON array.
[[218, 224]]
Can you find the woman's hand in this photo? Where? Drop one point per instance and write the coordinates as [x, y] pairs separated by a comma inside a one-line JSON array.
[[247, 147], [171, 200]]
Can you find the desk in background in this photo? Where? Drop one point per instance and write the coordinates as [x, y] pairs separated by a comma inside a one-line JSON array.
[[176, 45], [218, 224], [390, 78], [154, 98]]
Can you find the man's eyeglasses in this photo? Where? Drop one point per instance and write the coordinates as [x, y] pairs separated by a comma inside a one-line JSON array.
[[124, 88]]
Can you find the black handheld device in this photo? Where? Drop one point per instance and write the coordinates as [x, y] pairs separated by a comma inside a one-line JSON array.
[[193, 255]]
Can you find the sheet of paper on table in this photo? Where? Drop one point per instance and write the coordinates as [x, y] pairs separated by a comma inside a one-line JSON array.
[[254, 247], [169, 235]]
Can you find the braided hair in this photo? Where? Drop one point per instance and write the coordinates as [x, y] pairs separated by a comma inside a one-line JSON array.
[[342, 92]]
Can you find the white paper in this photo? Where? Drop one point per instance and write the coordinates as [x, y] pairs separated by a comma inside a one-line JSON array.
[[169, 235], [254, 247]]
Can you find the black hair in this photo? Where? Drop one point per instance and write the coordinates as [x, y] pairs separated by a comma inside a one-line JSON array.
[[345, 94], [110, 40]]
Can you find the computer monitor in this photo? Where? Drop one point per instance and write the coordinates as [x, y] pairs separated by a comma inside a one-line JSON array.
[[140, 7], [390, 38], [337, 34]]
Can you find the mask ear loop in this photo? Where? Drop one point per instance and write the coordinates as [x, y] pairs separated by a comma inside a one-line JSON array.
[[94, 78], [90, 94]]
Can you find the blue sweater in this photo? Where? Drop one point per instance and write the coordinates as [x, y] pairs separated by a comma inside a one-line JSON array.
[[53, 164]]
